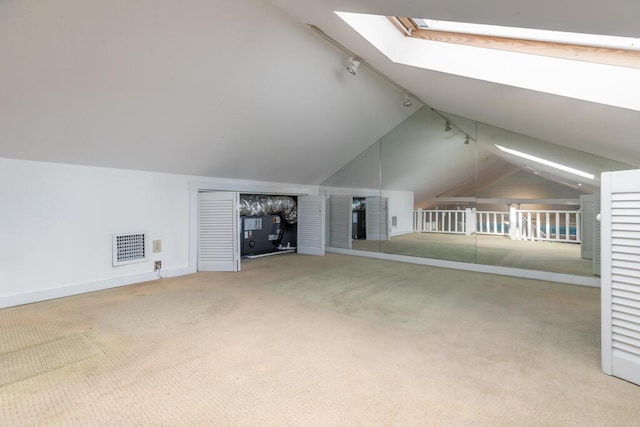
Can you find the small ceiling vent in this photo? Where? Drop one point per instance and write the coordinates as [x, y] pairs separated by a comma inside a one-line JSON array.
[[129, 248]]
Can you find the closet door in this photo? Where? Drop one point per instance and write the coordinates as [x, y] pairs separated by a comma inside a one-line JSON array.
[[620, 285], [218, 238], [340, 221], [587, 221], [311, 217], [376, 217], [597, 238]]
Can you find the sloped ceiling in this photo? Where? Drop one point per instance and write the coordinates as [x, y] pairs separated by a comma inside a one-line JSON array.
[[234, 89], [421, 156], [243, 89], [593, 128]]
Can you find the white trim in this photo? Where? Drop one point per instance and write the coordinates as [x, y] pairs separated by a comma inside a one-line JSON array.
[[400, 232], [479, 268], [82, 288], [174, 272], [605, 273]]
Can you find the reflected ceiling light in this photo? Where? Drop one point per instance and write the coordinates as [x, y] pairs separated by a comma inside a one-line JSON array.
[[546, 162], [408, 102], [575, 185], [447, 126], [352, 68]]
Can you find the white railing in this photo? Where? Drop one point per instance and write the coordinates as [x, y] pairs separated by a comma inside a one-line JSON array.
[[444, 221], [518, 224], [551, 226], [492, 222]]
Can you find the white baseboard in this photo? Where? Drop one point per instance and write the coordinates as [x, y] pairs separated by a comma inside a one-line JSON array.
[[479, 268], [83, 288], [400, 232], [177, 272]]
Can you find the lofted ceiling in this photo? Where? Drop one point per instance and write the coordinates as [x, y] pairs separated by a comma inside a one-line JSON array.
[[243, 88], [234, 89], [594, 128]]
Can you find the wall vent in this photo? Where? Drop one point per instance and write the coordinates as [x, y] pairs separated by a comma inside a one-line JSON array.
[[129, 248]]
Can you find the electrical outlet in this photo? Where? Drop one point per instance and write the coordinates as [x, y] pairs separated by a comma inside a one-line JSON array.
[[157, 265]]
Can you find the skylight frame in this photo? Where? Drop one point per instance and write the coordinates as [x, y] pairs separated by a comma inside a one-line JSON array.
[[530, 34], [610, 50], [602, 81]]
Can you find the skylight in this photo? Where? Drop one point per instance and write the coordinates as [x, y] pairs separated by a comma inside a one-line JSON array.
[[546, 162], [603, 75], [580, 39]]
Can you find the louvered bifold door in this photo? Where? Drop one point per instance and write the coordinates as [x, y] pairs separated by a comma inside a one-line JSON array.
[[340, 221], [218, 238], [620, 262], [377, 218], [597, 239], [587, 219], [311, 218]]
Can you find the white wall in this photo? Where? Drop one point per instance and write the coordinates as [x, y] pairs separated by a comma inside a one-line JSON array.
[[400, 205], [56, 225]]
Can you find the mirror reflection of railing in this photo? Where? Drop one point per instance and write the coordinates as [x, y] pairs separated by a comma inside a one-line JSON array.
[[494, 223], [551, 226], [444, 221], [534, 225]]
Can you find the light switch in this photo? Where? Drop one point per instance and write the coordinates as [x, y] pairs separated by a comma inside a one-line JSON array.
[[157, 246]]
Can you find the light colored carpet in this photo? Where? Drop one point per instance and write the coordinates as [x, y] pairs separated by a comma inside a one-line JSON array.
[[485, 249], [334, 340]]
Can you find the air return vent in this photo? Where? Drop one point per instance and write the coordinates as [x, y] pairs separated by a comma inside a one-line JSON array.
[[129, 248]]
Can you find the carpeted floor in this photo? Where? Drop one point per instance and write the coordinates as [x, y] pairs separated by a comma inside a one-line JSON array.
[[301, 340], [485, 249]]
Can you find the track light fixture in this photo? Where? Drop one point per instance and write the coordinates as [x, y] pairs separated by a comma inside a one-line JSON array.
[[352, 68], [408, 102], [449, 125]]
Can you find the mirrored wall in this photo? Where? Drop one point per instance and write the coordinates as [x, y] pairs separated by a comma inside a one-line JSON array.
[[444, 187]]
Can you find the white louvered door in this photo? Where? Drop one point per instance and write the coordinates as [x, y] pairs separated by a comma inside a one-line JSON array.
[[620, 262], [218, 238], [340, 221], [377, 218], [597, 241], [587, 220], [311, 217]]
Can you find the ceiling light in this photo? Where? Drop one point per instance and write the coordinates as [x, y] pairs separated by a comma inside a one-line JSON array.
[[408, 102], [447, 126], [546, 162], [352, 68], [466, 141], [553, 178]]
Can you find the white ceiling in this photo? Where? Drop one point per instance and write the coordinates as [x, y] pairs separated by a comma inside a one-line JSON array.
[[233, 89], [594, 128], [243, 89]]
